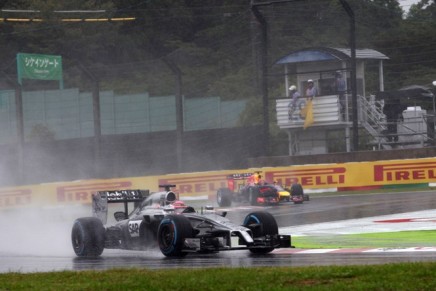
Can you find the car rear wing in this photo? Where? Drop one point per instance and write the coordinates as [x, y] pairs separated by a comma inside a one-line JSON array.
[[100, 201]]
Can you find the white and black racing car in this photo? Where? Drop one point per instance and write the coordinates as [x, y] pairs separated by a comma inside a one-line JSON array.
[[177, 229]]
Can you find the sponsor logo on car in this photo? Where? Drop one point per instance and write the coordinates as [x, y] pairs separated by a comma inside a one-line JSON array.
[[309, 177], [83, 192], [134, 228], [405, 172]]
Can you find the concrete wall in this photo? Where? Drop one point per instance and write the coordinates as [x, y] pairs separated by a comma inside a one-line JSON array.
[[68, 113]]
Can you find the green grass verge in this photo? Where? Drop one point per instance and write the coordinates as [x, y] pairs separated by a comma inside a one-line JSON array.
[[402, 276], [426, 238]]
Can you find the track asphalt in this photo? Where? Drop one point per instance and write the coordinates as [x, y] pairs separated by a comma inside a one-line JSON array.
[[419, 220]]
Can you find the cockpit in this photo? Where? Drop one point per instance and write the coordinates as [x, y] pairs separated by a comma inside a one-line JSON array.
[[179, 207], [159, 199]]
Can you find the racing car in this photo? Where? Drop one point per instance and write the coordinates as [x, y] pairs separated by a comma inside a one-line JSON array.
[[297, 193], [297, 197], [161, 220], [240, 190], [284, 194]]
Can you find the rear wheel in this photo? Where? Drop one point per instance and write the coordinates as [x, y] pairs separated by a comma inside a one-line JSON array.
[[87, 237], [171, 235], [224, 197], [261, 225]]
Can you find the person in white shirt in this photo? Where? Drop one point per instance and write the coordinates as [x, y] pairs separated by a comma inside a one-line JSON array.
[[293, 105], [311, 90]]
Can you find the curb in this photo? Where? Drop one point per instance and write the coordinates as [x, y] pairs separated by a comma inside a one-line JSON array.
[[356, 250]]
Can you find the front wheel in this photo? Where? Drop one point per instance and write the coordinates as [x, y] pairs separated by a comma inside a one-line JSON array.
[[87, 237], [253, 193], [261, 225], [171, 235], [224, 197]]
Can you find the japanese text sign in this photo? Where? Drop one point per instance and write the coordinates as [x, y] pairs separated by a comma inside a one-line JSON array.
[[40, 67]]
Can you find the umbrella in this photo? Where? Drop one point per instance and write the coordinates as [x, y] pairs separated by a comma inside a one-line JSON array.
[[412, 95], [417, 91]]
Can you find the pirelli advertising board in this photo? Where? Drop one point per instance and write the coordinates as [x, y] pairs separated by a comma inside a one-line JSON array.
[[205, 184], [77, 192], [354, 175]]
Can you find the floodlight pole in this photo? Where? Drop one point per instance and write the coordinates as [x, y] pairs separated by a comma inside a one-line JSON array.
[[20, 130], [20, 125], [263, 75], [179, 110], [434, 111], [97, 118], [264, 67], [350, 13], [434, 95]]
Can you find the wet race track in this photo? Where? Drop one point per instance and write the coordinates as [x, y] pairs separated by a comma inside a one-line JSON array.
[[43, 242]]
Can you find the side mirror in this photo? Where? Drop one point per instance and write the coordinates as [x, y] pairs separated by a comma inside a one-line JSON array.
[[120, 215]]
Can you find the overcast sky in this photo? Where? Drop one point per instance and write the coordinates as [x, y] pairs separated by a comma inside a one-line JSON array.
[[405, 4]]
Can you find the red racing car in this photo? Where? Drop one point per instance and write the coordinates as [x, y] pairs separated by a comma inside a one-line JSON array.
[[245, 188]]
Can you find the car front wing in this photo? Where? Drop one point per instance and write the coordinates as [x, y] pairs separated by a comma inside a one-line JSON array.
[[235, 240]]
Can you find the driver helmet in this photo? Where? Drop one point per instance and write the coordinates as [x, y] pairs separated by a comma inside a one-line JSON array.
[[293, 88], [179, 204]]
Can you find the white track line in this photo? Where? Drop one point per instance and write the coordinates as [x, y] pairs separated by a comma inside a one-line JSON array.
[[419, 220], [356, 250]]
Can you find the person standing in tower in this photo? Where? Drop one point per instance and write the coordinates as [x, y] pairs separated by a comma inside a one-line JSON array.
[[311, 90]]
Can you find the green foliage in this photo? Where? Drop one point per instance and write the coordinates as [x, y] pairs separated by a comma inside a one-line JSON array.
[[212, 38], [423, 10], [214, 45]]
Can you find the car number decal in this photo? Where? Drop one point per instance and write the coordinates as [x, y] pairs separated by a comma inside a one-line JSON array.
[[134, 228]]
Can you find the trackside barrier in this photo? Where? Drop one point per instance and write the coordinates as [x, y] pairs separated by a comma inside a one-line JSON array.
[[203, 185]]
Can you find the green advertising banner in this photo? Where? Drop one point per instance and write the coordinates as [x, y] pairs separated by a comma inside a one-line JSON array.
[[40, 67]]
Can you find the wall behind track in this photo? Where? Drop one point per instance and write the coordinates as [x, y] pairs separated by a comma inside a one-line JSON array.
[[126, 155], [396, 154]]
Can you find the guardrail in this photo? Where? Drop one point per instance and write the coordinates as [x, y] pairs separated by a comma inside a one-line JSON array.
[[325, 111]]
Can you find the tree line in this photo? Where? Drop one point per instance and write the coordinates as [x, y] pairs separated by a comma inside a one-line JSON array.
[[213, 43]]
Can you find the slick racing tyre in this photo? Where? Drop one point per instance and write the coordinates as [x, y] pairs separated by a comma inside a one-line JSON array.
[[224, 197], [261, 225], [171, 235], [87, 237], [253, 193]]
